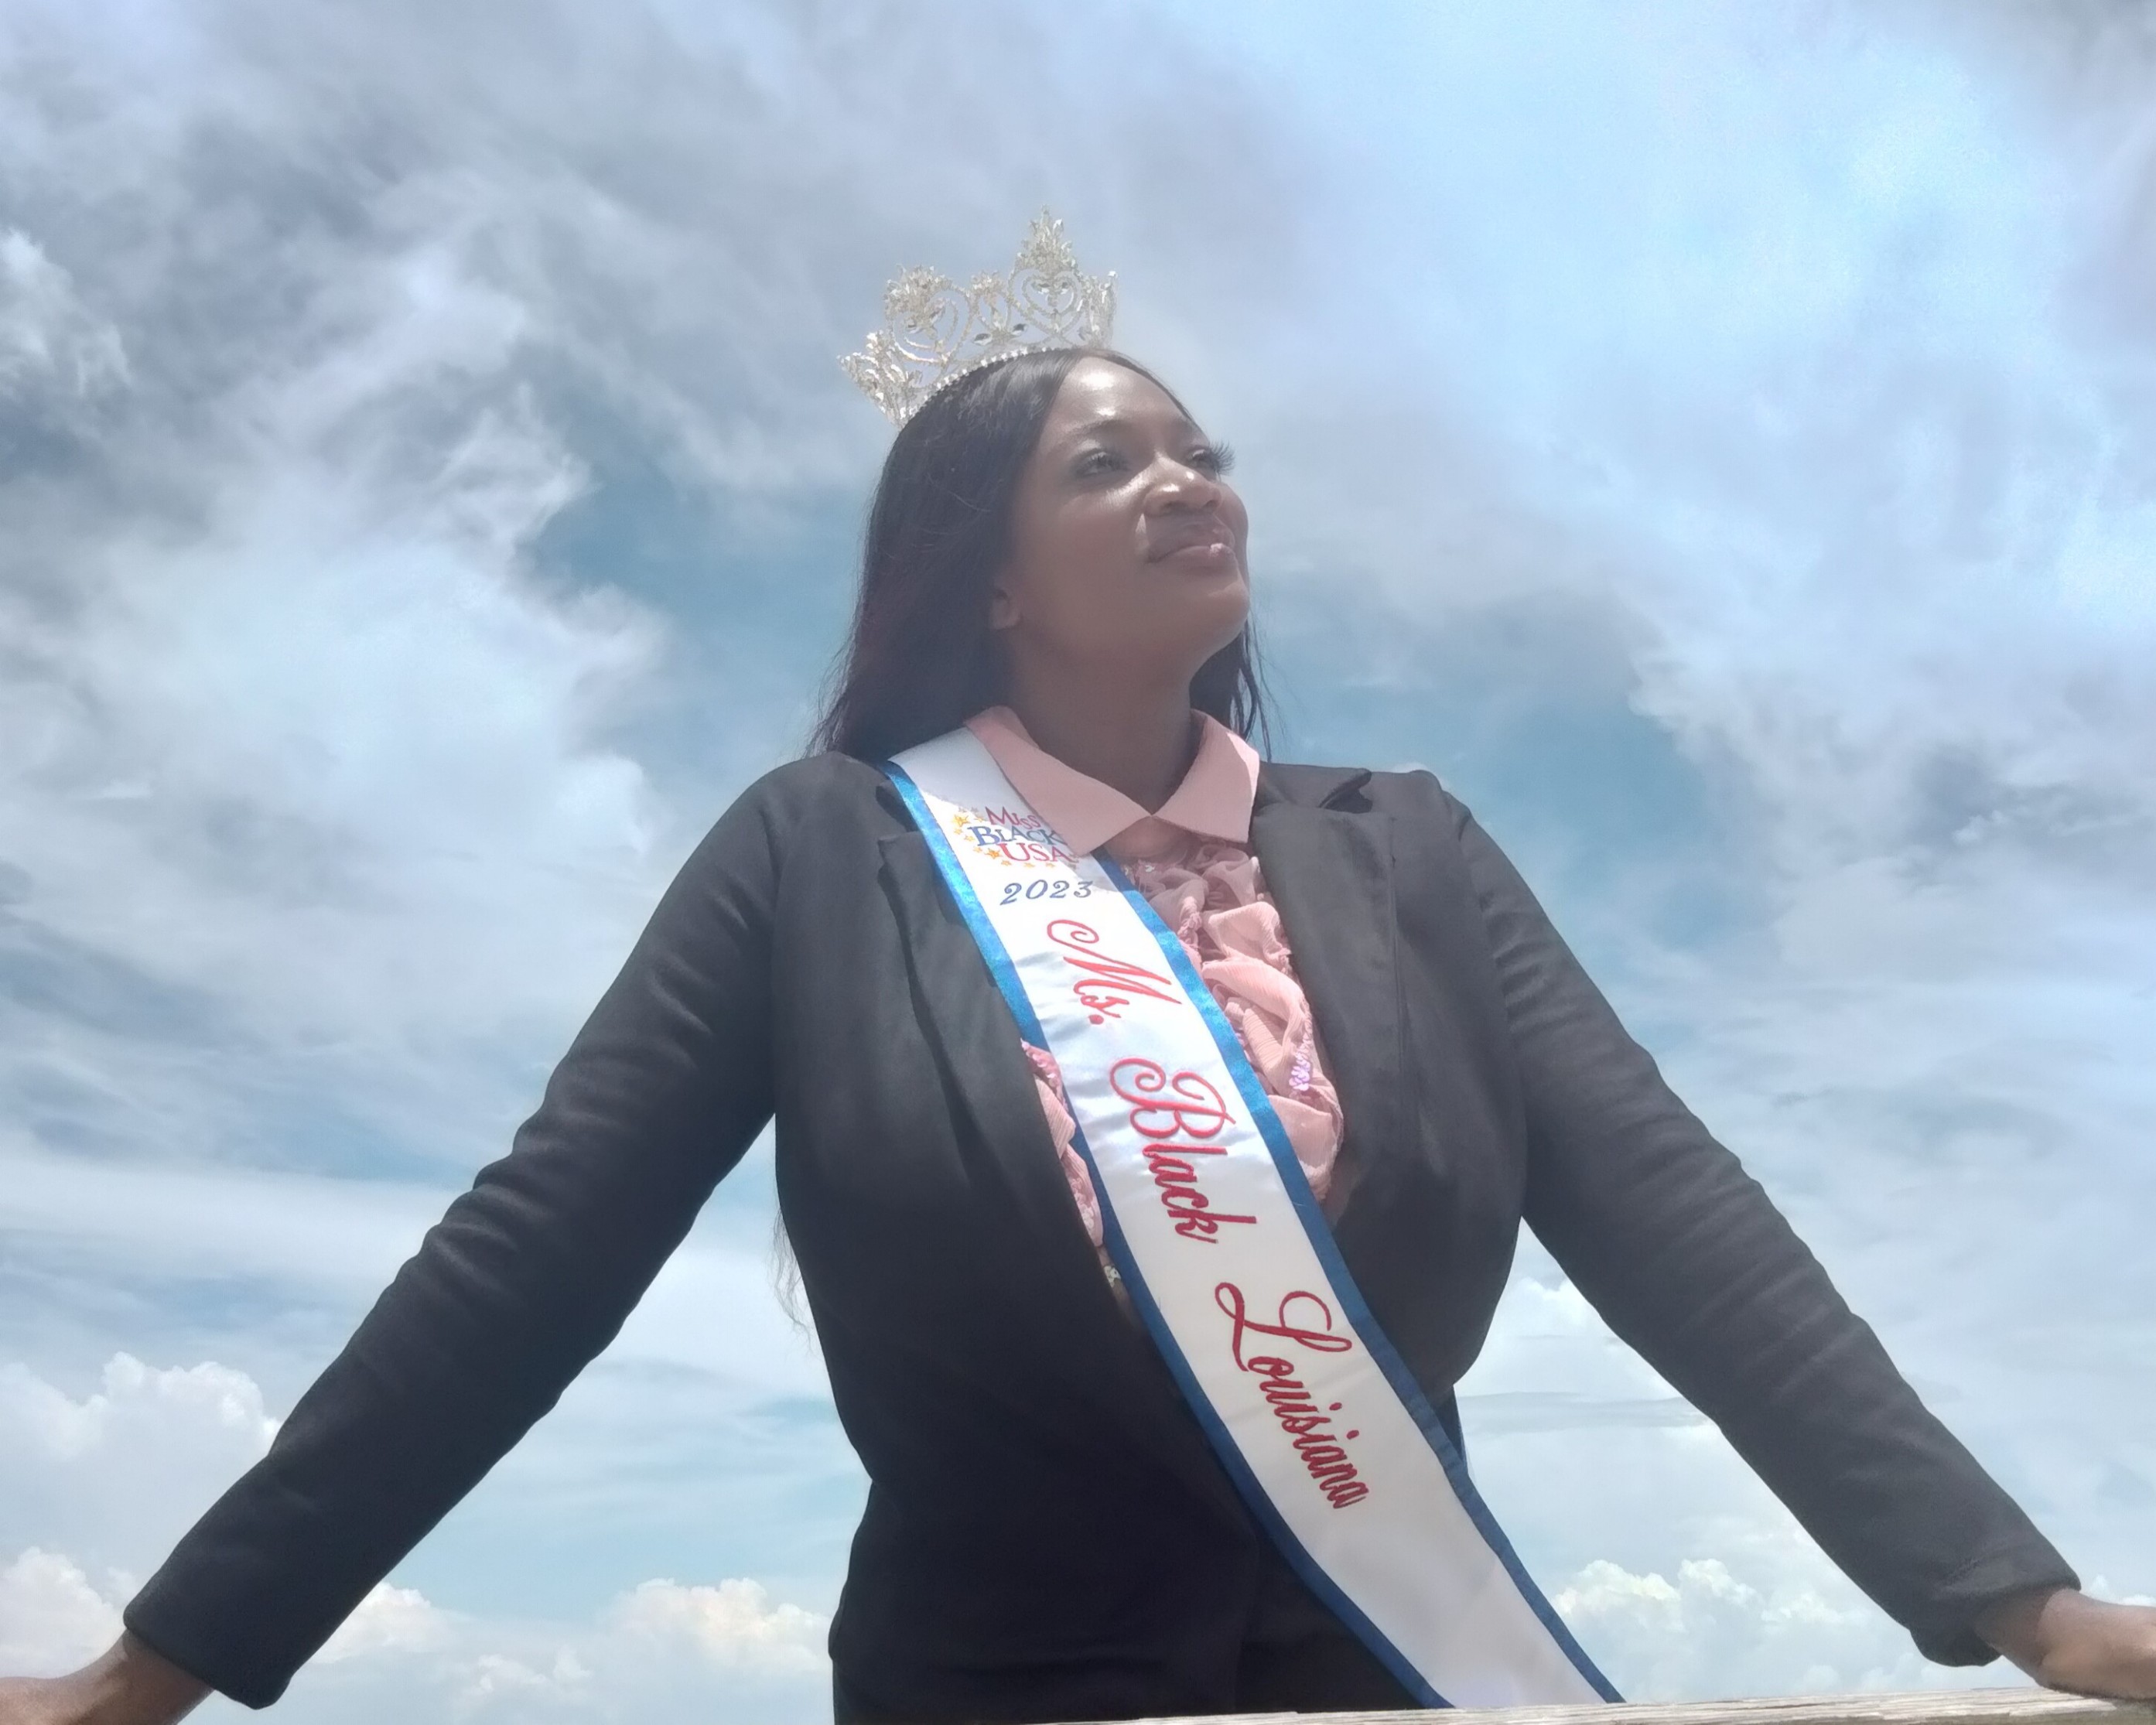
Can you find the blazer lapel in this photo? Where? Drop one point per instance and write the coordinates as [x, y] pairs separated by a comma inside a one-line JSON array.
[[1330, 873], [977, 1042]]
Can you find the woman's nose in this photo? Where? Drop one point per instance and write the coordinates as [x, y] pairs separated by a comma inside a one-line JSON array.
[[1180, 484]]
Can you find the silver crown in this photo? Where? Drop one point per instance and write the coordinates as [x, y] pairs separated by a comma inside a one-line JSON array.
[[935, 331]]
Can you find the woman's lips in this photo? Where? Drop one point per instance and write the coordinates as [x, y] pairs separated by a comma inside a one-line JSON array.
[[1209, 536]]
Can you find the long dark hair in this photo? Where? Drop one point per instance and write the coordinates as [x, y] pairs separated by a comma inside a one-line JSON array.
[[922, 658]]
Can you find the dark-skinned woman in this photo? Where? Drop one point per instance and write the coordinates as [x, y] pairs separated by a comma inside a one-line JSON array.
[[1154, 1126]]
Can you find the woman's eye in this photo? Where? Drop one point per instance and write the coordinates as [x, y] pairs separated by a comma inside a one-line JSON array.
[[1212, 460]]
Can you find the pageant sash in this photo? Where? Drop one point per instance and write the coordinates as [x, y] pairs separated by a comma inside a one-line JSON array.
[[1214, 1229]]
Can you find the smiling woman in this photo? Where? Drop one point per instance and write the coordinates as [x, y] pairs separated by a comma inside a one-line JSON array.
[[1155, 1125]]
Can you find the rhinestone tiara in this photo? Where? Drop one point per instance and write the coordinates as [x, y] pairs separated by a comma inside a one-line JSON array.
[[935, 331]]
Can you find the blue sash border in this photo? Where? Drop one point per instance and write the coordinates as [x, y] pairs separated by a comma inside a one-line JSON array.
[[1403, 1383]]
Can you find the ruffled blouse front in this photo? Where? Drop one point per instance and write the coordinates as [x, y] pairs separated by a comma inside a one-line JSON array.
[[1212, 893], [1210, 889]]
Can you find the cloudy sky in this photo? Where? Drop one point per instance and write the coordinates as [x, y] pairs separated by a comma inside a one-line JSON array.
[[1719, 439]]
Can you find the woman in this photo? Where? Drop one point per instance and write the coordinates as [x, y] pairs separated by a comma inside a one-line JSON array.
[[1054, 554]]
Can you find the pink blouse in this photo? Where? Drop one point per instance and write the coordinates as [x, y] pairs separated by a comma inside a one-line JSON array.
[[1192, 859]]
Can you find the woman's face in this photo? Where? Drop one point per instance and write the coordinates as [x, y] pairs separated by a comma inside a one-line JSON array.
[[1126, 546]]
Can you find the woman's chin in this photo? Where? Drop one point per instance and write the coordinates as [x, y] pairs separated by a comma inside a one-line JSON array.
[[1207, 583], [1217, 613]]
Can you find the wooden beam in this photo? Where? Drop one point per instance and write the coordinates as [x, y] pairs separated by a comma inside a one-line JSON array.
[[1938, 1706]]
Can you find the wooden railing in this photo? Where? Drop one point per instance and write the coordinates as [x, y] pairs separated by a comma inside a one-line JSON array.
[[1940, 1706]]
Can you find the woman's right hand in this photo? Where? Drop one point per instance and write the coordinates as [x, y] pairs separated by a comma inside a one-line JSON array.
[[126, 1684]]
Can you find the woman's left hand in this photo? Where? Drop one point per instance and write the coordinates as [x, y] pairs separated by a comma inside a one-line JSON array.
[[2067, 1640]]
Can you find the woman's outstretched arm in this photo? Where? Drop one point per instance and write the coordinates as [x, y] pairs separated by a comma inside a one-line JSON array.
[[527, 1277], [126, 1684], [1688, 1260]]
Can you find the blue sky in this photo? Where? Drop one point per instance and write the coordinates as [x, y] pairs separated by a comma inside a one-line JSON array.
[[1720, 440]]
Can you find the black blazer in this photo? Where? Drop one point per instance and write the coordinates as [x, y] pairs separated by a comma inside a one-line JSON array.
[[1047, 1534]]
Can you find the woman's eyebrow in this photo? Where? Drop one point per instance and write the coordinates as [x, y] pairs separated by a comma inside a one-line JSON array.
[[1123, 422]]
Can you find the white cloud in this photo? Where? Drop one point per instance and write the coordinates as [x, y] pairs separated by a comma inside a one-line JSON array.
[[52, 1617], [136, 1404], [495, 1677], [1773, 1629], [112, 1476], [390, 1619], [399, 1654], [733, 1624], [94, 1486], [48, 338], [725, 1648], [337, 718]]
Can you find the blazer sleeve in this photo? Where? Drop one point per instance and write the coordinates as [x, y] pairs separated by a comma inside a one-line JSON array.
[[527, 1276], [1688, 1261]]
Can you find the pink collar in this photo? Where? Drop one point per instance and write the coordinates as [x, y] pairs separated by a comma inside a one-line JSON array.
[[1213, 800]]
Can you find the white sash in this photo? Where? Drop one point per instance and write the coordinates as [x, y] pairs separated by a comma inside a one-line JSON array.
[[1214, 1230]]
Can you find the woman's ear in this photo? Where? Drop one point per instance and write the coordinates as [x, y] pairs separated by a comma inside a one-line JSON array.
[[1003, 608]]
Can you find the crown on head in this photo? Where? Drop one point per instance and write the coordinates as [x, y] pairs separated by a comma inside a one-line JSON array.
[[935, 331]]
